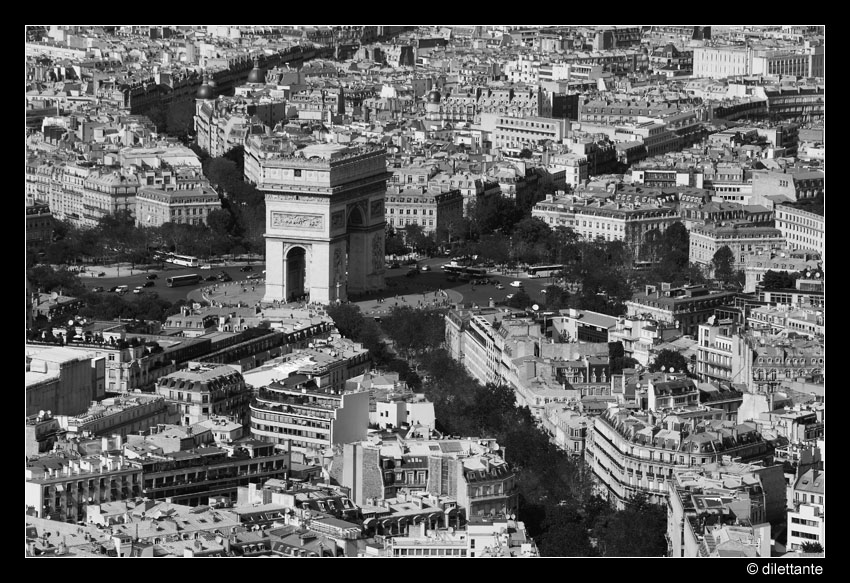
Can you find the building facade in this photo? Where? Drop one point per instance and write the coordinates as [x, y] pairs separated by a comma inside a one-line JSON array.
[[433, 210], [802, 228], [204, 391], [296, 414]]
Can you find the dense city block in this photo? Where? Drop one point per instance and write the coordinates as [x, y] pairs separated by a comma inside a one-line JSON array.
[[425, 291]]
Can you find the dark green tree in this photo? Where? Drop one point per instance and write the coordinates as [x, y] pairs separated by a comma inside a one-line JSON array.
[[673, 255], [667, 359], [779, 280], [520, 300], [636, 531], [723, 263], [811, 547], [393, 243], [557, 298], [347, 318], [565, 533]]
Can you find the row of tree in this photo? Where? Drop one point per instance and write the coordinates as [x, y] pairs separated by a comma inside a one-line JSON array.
[[555, 494]]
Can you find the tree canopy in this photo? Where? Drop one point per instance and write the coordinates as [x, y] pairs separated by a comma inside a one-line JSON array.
[[667, 359]]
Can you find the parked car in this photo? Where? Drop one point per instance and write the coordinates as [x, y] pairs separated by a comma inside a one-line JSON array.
[[152, 276], [246, 268], [500, 286], [149, 284], [254, 276], [425, 268], [224, 277], [122, 289], [138, 289], [114, 288], [509, 296], [102, 274], [211, 278], [206, 266], [97, 289], [395, 265], [516, 283]]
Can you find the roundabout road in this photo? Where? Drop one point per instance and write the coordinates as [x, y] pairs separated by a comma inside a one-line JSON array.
[[171, 294]]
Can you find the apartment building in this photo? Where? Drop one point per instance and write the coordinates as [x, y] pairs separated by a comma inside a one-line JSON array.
[[123, 415], [38, 225], [686, 306], [296, 413], [85, 193], [722, 353], [194, 476], [472, 187], [742, 238], [806, 520], [223, 124], [327, 363], [205, 390], [434, 210], [574, 167], [637, 452], [515, 133], [61, 381], [797, 184], [721, 510], [60, 488], [612, 221], [154, 207], [641, 335], [472, 472], [720, 62], [802, 228]]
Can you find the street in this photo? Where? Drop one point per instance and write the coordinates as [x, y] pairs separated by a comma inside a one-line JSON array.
[[171, 294]]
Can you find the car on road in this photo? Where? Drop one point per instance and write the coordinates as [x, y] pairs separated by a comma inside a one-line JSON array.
[[424, 268], [102, 274], [205, 266], [224, 277], [152, 276], [211, 278], [500, 286], [246, 268], [509, 296], [254, 276], [97, 289], [395, 265], [516, 283]]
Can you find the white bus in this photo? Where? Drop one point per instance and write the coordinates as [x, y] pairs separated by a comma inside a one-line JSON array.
[[185, 260]]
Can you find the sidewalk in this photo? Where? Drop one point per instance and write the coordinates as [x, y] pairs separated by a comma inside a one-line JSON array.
[[113, 270], [247, 292], [431, 299], [250, 293]]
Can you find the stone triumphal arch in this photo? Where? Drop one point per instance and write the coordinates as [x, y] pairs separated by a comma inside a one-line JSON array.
[[324, 219]]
